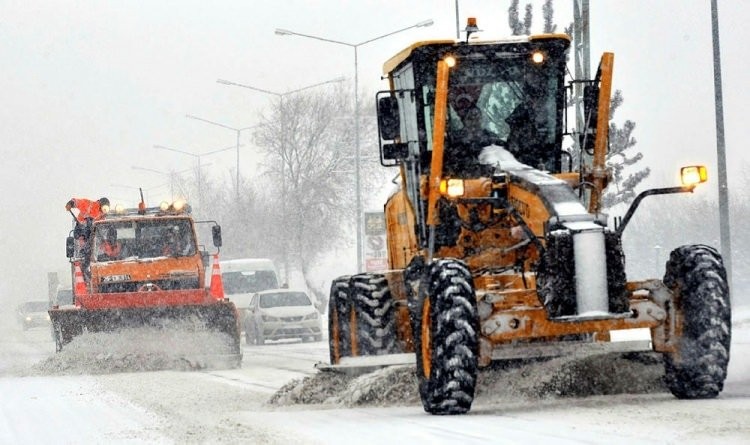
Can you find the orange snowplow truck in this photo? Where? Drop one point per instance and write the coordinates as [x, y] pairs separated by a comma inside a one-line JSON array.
[[497, 244], [143, 267]]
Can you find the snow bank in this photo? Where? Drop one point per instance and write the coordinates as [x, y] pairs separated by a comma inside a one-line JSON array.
[[602, 374]]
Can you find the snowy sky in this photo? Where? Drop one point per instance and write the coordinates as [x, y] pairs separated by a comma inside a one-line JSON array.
[[90, 86]]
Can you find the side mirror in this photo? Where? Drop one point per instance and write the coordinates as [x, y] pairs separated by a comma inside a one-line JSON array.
[[388, 119], [395, 151], [69, 247], [216, 233]]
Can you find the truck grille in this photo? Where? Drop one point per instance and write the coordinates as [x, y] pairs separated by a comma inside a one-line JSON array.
[[133, 286]]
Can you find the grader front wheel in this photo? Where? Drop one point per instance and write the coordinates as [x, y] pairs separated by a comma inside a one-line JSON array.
[[698, 368], [447, 338]]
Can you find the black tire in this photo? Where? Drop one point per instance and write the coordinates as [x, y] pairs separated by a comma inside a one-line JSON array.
[[375, 311], [447, 361], [318, 338], [698, 368], [339, 320], [616, 278], [249, 337]]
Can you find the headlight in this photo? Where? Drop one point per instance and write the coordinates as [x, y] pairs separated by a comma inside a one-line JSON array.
[[313, 316], [268, 318], [179, 205], [452, 187], [28, 318]]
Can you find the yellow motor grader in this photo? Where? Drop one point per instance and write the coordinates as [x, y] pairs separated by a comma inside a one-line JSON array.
[[497, 244]]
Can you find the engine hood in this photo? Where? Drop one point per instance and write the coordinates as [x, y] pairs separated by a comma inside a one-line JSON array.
[[288, 311]]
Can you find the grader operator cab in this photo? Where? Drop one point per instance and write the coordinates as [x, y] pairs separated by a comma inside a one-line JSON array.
[[143, 267], [497, 247]]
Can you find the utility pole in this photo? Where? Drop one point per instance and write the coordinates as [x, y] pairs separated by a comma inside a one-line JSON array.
[[582, 50], [721, 159]]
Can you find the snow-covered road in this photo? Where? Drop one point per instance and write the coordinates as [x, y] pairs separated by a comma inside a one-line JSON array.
[[233, 406]]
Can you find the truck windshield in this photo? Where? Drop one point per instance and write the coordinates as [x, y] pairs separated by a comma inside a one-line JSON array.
[[248, 281], [144, 239], [499, 99]]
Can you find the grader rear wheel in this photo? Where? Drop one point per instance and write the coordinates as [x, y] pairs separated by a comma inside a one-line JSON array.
[[698, 368], [339, 320], [447, 338], [376, 325]]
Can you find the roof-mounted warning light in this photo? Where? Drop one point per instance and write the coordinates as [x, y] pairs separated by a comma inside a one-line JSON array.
[[471, 27], [175, 208], [142, 204]]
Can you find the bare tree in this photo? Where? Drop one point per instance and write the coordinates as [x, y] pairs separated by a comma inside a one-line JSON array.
[[622, 187], [308, 143], [548, 12], [518, 27]]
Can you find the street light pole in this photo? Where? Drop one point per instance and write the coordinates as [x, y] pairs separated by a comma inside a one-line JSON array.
[[171, 176], [198, 157], [721, 157], [238, 130], [286, 32]]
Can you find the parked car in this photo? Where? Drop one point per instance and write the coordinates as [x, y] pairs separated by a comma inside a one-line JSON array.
[[33, 313], [281, 313]]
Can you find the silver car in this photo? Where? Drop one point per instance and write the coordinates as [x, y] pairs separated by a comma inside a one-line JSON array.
[[281, 313]]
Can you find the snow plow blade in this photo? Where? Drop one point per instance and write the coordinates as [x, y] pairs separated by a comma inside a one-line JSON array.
[[368, 363], [365, 364], [217, 317]]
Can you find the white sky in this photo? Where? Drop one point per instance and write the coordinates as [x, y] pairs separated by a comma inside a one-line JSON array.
[[88, 88]]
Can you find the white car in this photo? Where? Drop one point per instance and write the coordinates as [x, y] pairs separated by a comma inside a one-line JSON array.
[[33, 314], [281, 313]]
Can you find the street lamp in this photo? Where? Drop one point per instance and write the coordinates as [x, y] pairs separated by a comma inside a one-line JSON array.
[[355, 46], [277, 94], [283, 136], [198, 157], [238, 130], [140, 189], [171, 175]]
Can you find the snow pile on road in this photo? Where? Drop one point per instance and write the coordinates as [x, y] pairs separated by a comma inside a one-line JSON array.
[[142, 349], [559, 377], [395, 385], [613, 373]]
